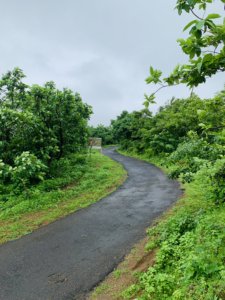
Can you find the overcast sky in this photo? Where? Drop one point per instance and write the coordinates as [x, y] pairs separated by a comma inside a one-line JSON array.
[[99, 48]]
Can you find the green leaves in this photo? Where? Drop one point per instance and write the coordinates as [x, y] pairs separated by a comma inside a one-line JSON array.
[[43, 121], [103, 132], [204, 46], [154, 76], [213, 16], [149, 100], [28, 169], [189, 5], [189, 24]]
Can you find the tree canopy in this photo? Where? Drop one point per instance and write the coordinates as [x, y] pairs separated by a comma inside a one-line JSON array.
[[38, 124]]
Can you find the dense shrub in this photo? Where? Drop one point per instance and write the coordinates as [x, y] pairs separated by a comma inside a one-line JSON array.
[[28, 170], [5, 172], [191, 155], [212, 177], [190, 258]]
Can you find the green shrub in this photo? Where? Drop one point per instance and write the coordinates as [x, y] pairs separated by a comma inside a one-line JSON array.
[[5, 172], [190, 156], [212, 178], [28, 170], [190, 261]]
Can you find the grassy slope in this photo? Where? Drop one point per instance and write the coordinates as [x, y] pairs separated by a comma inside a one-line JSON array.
[[101, 176], [189, 241]]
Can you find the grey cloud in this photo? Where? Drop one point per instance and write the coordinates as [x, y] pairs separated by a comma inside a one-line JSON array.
[[100, 48]]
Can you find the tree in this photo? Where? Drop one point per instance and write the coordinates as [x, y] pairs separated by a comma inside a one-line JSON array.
[[12, 89], [205, 47], [103, 132], [40, 120]]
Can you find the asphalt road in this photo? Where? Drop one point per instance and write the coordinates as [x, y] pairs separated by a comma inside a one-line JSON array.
[[67, 258]]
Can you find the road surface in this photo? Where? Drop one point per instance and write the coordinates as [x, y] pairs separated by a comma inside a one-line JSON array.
[[67, 258]]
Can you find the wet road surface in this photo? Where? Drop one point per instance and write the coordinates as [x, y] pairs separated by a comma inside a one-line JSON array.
[[67, 258]]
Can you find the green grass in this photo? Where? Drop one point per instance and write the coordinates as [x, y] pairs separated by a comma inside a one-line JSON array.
[[117, 274], [76, 186], [100, 289], [190, 238]]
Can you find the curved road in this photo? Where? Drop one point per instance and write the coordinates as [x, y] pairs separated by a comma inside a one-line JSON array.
[[67, 258]]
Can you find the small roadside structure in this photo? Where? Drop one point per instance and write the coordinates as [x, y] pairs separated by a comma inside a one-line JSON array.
[[95, 143]]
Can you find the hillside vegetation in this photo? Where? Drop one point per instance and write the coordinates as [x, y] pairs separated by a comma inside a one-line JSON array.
[[187, 139]]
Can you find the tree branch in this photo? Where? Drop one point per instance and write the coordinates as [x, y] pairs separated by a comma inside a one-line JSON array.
[[195, 14], [208, 51], [163, 86]]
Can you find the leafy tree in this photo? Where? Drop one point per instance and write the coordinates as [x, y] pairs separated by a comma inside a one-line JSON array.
[[205, 47], [12, 89], [103, 132], [19, 131], [41, 121], [121, 127], [163, 132], [63, 116]]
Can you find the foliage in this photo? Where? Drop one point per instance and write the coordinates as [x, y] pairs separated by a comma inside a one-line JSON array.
[[190, 261], [191, 155], [103, 132], [188, 133], [212, 177], [5, 172], [163, 132], [39, 124], [28, 170], [204, 46], [129, 128]]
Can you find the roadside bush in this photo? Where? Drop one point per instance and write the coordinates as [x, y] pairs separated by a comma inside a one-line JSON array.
[[191, 155], [190, 258], [28, 170], [5, 172], [163, 142], [218, 181], [212, 178], [72, 167]]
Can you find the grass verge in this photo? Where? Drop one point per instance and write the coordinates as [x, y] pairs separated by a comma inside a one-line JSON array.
[[57, 198], [187, 250]]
